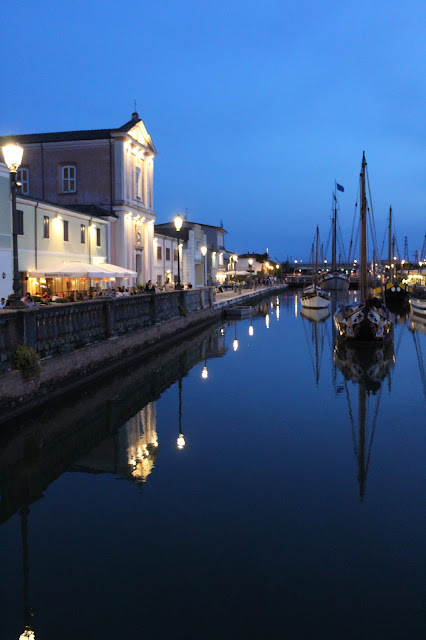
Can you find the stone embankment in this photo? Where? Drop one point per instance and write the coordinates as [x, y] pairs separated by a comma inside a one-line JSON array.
[[78, 341]]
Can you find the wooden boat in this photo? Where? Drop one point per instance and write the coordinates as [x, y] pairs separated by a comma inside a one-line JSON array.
[[313, 297], [394, 294], [368, 320], [335, 280]]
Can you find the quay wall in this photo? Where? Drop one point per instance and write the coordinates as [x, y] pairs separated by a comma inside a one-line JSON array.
[[77, 342]]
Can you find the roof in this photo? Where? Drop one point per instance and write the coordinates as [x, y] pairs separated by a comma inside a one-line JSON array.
[[65, 136], [90, 210], [201, 224], [171, 232], [87, 209]]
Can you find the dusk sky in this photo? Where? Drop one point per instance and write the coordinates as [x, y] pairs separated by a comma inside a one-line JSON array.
[[255, 108]]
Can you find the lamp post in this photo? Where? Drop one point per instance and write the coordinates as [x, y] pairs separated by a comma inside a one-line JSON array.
[[181, 440], [13, 157], [235, 260], [204, 254], [178, 226]]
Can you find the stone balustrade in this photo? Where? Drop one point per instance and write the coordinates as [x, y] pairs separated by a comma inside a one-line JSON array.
[[57, 329]]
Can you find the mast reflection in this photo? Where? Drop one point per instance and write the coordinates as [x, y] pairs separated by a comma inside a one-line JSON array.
[[367, 367]]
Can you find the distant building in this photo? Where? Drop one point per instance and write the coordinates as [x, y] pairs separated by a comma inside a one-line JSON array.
[[106, 173], [192, 263], [216, 261]]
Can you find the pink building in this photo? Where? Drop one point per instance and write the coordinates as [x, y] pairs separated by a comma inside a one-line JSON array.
[[106, 173]]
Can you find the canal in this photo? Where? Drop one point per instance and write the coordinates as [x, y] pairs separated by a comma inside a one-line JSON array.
[[253, 482]]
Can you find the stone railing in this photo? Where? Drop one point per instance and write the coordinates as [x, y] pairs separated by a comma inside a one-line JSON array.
[[57, 329]]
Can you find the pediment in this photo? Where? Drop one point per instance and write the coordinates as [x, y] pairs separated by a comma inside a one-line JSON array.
[[141, 135]]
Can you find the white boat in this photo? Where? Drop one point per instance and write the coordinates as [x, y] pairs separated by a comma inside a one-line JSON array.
[[335, 280], [313, 297], [368, 320], [418, 301]]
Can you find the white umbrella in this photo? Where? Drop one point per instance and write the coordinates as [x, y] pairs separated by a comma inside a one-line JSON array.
[[115, 271], [70, 270]]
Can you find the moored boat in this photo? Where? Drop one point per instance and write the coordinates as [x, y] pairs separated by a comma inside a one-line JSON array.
[[335, 280], [418, 300], [313, 297], [367, 320]]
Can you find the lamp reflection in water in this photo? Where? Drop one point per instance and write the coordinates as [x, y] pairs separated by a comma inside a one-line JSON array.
[[205, 373], [28, 633], [235, 343], [267, 320], [251, 330], [181, 440]]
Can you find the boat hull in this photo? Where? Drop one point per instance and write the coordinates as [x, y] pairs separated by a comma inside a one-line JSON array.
[[418, 305], [368, 321], [314, 298], [335, 282]]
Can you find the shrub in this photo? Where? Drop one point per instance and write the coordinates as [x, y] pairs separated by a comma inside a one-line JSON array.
[[26, 361]]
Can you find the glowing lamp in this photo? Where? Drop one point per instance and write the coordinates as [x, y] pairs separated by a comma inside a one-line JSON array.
[[178, 223], [203, 250], [13, 156], [180, 441]]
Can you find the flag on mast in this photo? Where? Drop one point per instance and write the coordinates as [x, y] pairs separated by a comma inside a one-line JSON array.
[[339, 187]]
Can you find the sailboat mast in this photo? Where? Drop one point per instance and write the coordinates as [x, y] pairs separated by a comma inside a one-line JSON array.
[[363, 244], [333, 256], [316, 258], [362, 472], [390, 255]]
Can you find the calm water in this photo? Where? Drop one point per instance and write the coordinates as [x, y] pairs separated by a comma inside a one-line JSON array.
[[294, 510]]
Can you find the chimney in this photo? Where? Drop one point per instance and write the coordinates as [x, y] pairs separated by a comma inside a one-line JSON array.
[[135, 116]]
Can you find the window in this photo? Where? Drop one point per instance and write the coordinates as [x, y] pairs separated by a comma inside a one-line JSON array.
[[66, 228], [45, 226], [20, 222], [98, 237], [167, 253], [159, 253], [138, 183], [83, 234], [69, 177], [175, 255], [24, 179]]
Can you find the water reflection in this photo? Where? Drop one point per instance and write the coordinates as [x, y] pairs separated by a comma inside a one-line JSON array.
[[281, 478], [367, 367]]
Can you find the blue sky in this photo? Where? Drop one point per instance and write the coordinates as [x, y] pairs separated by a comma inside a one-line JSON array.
[[255, 107]]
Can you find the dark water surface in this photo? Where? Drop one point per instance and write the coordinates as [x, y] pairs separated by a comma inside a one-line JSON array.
[[295, 508]]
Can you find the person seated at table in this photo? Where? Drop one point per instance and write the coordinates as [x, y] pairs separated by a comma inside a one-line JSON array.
[[2, 303], [28, 300], [45, 298]]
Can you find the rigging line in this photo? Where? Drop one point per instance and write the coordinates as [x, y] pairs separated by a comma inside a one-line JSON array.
[[328, 242], [352, 232], [372, 210], [341, 244]]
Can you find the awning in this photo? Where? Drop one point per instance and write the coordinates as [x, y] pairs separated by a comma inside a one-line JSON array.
[[82, 270]]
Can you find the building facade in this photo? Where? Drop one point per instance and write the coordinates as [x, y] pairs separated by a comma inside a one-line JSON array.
[[108, 173]]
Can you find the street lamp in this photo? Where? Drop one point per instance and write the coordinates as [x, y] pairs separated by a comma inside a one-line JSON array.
[[204, 253], [13, 157], [178, 226], [235, 260], [250, 262], [181, 440]]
